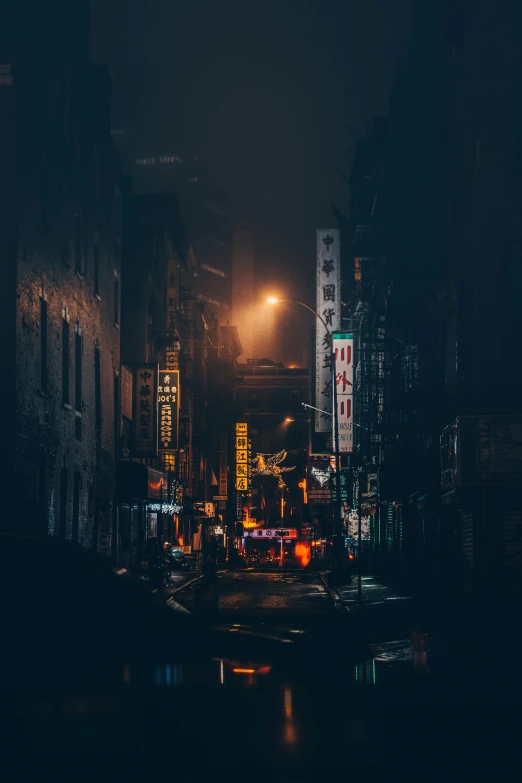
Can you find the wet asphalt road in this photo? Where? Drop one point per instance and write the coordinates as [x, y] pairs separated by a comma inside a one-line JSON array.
[[271, 598], [273, 593]]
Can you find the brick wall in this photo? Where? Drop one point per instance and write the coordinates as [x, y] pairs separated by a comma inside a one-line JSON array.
[[68, 257]]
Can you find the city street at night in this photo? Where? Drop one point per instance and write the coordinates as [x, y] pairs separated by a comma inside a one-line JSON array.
[[270, 594], [260, 284]]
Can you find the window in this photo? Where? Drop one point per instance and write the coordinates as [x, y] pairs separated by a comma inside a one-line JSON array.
[[97, 385], [65, 362], [96, 261], [41, 489], [76, 505], [90, 499], [64, 479], [78, 369], [44, 367], [117, 414], [116, 300], [78, 382], [254, 400], [279, 400], [294, 399]]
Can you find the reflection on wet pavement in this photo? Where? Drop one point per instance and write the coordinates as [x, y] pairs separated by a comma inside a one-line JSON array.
[[393, 642]]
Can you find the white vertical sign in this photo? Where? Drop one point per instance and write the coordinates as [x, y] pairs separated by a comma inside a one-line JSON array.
[[328, 305], [343, 350]]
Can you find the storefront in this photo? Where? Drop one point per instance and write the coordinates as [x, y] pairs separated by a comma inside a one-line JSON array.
[[142, 521], [266, 543]]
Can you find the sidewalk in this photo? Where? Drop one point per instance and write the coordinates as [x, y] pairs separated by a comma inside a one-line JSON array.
[[373, 593], [384, 610]]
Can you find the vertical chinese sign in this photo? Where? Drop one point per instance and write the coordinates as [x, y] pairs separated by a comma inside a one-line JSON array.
[[241, 457], [328, 306], [144, 411], [343, 352], [168, 407]]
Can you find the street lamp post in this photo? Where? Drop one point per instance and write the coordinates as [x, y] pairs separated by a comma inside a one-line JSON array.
[[337, 532]]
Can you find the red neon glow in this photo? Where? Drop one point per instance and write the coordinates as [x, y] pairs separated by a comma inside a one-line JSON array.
[[302, 553]]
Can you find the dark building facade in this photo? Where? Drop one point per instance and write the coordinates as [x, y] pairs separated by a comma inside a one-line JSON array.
[[62, 258], [165, 323], [443, 203]]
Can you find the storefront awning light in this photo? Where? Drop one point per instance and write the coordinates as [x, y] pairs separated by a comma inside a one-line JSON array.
[[165, 508]]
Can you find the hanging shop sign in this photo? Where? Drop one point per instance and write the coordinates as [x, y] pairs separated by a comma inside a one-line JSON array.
[[144, 441], [344, 486], [343, 353], [165, 508], [168, 410], [242, 457], [353, 525], [239, 507], [328, 306], [269, 532], [318, 473]]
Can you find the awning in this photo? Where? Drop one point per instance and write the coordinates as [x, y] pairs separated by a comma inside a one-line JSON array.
[[135, 481]]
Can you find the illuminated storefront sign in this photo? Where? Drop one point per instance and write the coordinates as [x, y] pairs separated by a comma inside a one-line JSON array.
[[168, 407], [328, 306], [318, 475], [271, 533], [144, 410], [343, 351], [165, 508], [242, 457]]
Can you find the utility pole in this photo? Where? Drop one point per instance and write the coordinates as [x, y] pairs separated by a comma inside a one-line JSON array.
[[359, 540], [338, 544]]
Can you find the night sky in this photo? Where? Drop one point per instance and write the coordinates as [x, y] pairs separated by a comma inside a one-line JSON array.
[[267, 94]]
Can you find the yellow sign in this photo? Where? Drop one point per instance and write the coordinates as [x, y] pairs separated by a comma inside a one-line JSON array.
[[241, 456]]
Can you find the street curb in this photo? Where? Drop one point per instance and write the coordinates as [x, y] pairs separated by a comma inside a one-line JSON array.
[[186, 584], [190, 582], [172, 600], [338, 603]]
